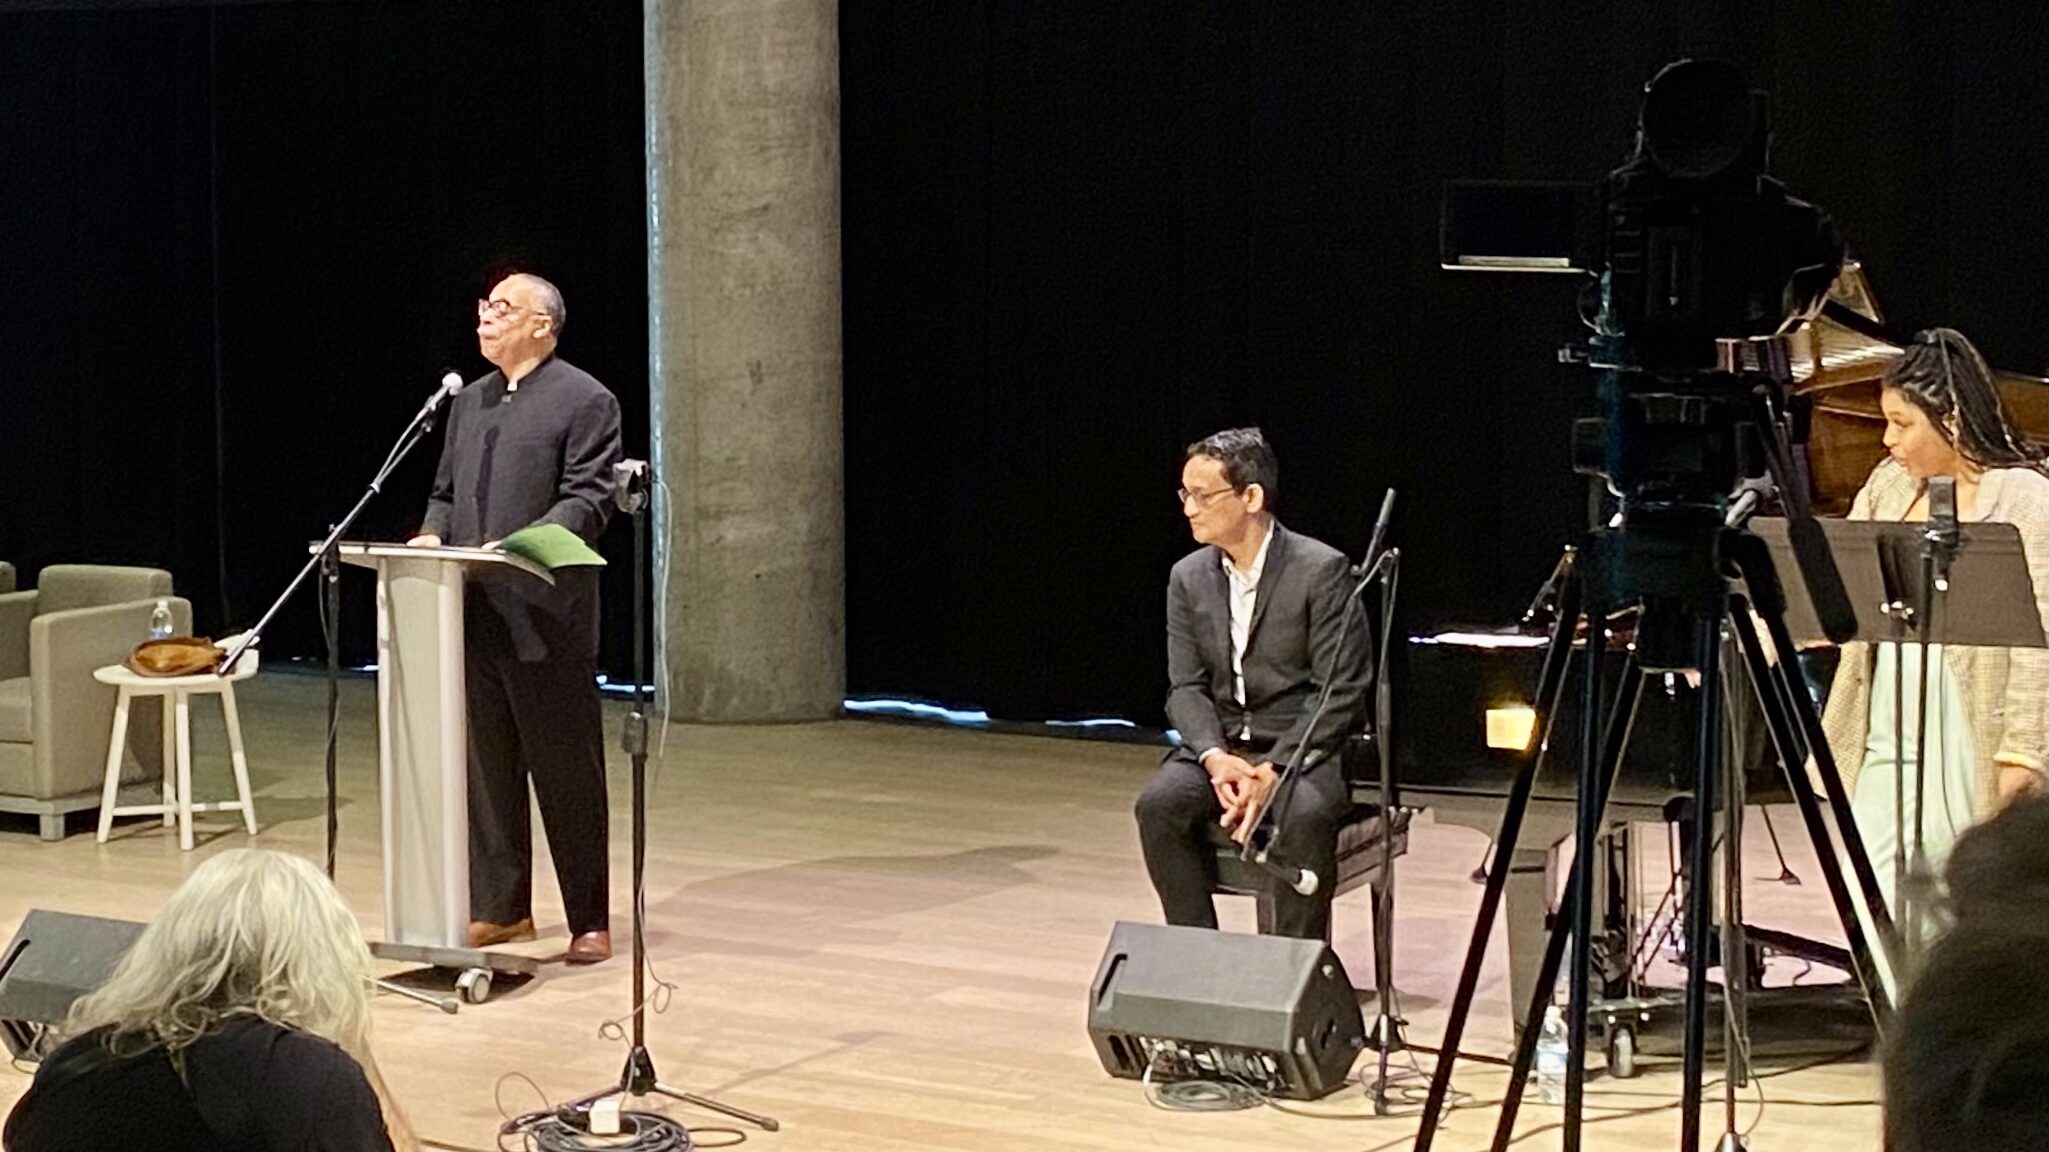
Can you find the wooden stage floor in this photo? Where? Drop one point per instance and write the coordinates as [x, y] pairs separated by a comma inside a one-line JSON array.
[[882, 935]]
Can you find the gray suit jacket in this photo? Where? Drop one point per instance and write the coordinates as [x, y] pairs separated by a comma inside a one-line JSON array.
[[1292, 650]]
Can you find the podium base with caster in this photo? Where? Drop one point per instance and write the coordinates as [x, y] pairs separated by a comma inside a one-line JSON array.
[[474, 966]]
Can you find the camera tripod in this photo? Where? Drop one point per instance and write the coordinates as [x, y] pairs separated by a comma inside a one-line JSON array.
[[1681, 568]]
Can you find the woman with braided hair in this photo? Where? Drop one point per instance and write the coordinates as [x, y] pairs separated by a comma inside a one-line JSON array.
[[1986, 706]]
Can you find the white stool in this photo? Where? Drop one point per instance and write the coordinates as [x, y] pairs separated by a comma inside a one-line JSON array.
[[177, 692]]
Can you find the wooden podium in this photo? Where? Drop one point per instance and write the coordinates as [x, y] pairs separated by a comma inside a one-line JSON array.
[[423, 754]]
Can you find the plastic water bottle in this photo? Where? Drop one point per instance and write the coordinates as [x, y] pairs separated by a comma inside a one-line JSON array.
[[160, 621], [1551, 1053]]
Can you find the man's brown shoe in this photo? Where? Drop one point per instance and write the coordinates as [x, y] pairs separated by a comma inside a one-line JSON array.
[[484, 934], [590, 947]]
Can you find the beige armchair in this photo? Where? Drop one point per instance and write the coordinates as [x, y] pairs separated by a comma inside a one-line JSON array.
[[54, 717]]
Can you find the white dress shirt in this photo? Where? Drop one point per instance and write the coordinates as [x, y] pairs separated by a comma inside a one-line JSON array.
[[1244, 596]]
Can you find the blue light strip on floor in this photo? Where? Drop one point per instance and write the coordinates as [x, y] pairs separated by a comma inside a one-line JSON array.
[[977, 718], [916, 708]]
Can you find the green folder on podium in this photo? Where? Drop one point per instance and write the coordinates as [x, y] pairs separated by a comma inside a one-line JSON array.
[[552, 546]]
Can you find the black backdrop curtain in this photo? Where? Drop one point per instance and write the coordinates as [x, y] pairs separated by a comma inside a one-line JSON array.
[[1080, 235], [238, 244]]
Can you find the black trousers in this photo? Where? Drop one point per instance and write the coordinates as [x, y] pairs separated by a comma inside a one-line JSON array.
[[538, 721], [1176, 810]]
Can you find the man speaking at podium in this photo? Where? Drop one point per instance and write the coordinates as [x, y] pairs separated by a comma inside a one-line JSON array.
[[531, 443]]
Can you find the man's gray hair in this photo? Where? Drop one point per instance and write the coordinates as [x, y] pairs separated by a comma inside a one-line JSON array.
[[550, 301]]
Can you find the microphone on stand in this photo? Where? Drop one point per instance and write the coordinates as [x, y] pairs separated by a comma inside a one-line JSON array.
[[1372, 556], [423, 423], [1257, 850], [1543, 610], [451, 383], [1939, 539], [1302, 880]]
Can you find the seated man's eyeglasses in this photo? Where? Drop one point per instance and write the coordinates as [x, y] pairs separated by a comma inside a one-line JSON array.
[[1201, 499]]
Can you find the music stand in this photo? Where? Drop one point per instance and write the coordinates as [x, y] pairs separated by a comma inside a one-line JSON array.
[[1882, 570], [1997, 611]]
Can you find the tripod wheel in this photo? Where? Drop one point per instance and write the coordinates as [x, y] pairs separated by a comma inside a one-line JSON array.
[[474, 984], [1622, 1052]]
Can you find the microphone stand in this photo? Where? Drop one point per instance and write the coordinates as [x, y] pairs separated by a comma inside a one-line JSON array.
[[638, 1077], [1938, 551], [1386, 1025], [1302, 880], [1902, 616], [327, 558]]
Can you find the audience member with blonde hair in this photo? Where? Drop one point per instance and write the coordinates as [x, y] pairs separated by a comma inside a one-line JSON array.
[[239, 1020]]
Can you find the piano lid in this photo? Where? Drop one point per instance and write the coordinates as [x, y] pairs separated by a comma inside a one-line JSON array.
[[1839, 359], [1841, 355]]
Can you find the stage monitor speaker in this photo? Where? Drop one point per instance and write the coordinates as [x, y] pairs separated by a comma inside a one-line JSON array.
[[1273, 1012], [54, 959]]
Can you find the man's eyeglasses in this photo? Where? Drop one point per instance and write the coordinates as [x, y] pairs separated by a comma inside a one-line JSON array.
[[498, 309], [1201, 499]]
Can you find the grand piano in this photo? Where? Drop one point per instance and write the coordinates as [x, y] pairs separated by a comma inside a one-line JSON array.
[[1448, 683]]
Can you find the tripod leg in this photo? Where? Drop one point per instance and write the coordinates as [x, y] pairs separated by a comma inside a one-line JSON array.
[[1586, 833], [1707, 766], [1540, 997], [1794, 701], [1620, 719], [1550, 683], [766, 1124], [1774, 693], [1735, 949]]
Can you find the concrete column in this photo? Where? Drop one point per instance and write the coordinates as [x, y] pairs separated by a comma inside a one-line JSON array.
[[744, 355]]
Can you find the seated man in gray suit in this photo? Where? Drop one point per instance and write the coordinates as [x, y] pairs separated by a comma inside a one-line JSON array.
[[1252, 634]]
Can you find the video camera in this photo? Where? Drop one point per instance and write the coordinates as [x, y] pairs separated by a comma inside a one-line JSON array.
[[1698, 257], [1693, 248]]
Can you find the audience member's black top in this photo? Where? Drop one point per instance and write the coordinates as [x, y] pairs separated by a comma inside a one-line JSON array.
[[248, 1086]]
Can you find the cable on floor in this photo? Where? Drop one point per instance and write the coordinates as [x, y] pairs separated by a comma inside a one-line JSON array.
[[1199, 1095], [638, 1132], [554, 1128]]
